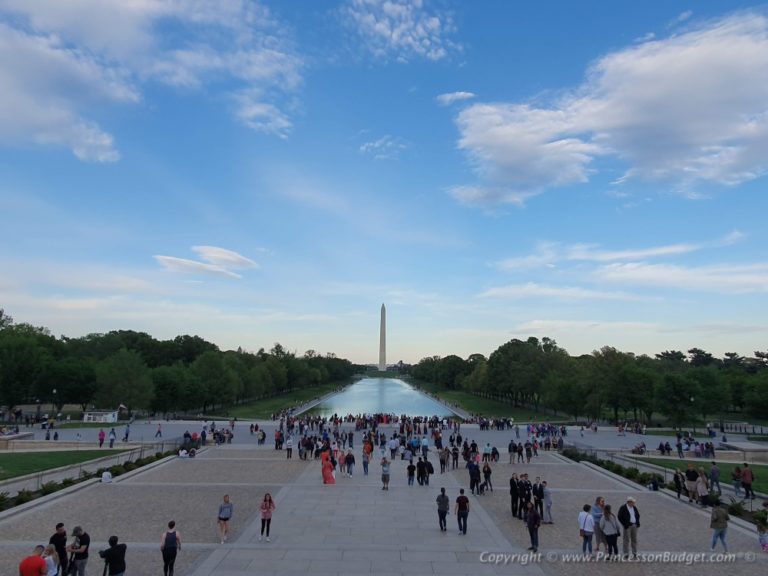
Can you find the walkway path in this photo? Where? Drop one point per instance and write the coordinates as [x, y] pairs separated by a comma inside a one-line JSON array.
[[353, 527]]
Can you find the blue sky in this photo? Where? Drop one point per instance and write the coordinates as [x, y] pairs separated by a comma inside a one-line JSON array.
[[260, 172]]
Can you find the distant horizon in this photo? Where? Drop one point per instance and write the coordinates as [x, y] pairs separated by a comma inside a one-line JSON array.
[[262, 172]]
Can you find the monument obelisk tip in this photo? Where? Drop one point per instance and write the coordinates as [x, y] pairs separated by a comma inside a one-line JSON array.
[[383, 340]]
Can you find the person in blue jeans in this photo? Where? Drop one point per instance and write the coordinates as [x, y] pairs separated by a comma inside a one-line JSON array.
[[462, 511], [586, 528]]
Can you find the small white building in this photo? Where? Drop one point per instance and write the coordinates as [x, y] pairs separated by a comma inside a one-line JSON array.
[[108, 416]]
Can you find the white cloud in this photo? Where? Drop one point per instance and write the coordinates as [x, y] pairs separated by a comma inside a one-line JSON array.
[[385, 148], [546, 255], [593, 253], [217, 261], [729, 279], [533, 290], [223, 257], [400, 30], [643, 106], [453, 97], [186, 266], [487, 196], [60, 58]]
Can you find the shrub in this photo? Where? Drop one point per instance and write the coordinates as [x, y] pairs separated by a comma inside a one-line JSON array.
[[116, 470], [3, 499], [761, 519], [736, 507], [24, 496], [128, 466], [158, 455], [67, 482], [631, 473], [714, 498], [49, 488]]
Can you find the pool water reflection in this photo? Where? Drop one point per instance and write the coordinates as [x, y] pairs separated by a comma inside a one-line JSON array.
[[380, 395]]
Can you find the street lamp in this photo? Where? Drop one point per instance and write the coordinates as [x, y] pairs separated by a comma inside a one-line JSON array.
[[53, 404], [694, 417]]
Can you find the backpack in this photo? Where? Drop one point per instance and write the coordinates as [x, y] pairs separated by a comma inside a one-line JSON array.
[[170, 540]]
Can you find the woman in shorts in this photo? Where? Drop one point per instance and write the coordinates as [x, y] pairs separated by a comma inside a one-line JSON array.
[[225, 515]]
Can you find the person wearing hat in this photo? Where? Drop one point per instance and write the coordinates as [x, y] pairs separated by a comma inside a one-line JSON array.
[[629, 518]]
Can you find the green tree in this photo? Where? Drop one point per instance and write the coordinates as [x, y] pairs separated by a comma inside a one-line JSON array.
[[124, 378]]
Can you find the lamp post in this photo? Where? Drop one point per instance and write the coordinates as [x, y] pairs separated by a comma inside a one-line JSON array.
[[53, 404], [693, 417]]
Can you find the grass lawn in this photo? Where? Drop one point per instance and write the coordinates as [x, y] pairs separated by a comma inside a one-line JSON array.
[[263, 409], [759, 470], [487, 407], [20, 463]]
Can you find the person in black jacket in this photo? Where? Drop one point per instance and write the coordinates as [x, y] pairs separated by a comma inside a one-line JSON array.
[[629, 518], [537, 491], [513, 495], [114, 556]]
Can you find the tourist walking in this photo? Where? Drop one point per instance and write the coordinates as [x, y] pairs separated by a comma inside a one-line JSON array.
[[714, 478], [719, 523], [629, 518], [586, 528], [462, 511], [487, 476], [747, 477], [366, 459], [289, 447], [112, 437], [114, 557], [267, 507], [609, 526], [170, 545], [679, 480], [702, 487], [690, 482], [349, 462], [385, 473], [533, 522], [102, 436], [736, 479], [226, 509], [443, 507]]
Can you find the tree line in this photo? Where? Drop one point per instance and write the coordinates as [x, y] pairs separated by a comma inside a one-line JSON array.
[[186, 374], [540, 374]]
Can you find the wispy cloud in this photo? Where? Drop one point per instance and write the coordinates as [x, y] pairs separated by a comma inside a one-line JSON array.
[[727, 279], [223, 257], [546, 255], [62, 57], [595, 254], [453, 97], [385, 148], [217, 261], [533, 290], [400, 30], [641, 106]]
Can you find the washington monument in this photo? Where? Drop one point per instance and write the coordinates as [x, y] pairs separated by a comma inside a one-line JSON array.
[[383, 340]]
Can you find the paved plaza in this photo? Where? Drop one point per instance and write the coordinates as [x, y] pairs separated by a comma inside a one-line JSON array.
[[354, 527]]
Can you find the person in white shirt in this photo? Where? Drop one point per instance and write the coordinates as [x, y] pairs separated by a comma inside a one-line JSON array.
[[586, 528]]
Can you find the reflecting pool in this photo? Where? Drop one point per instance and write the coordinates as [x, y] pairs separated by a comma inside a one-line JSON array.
[[380, 395]]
